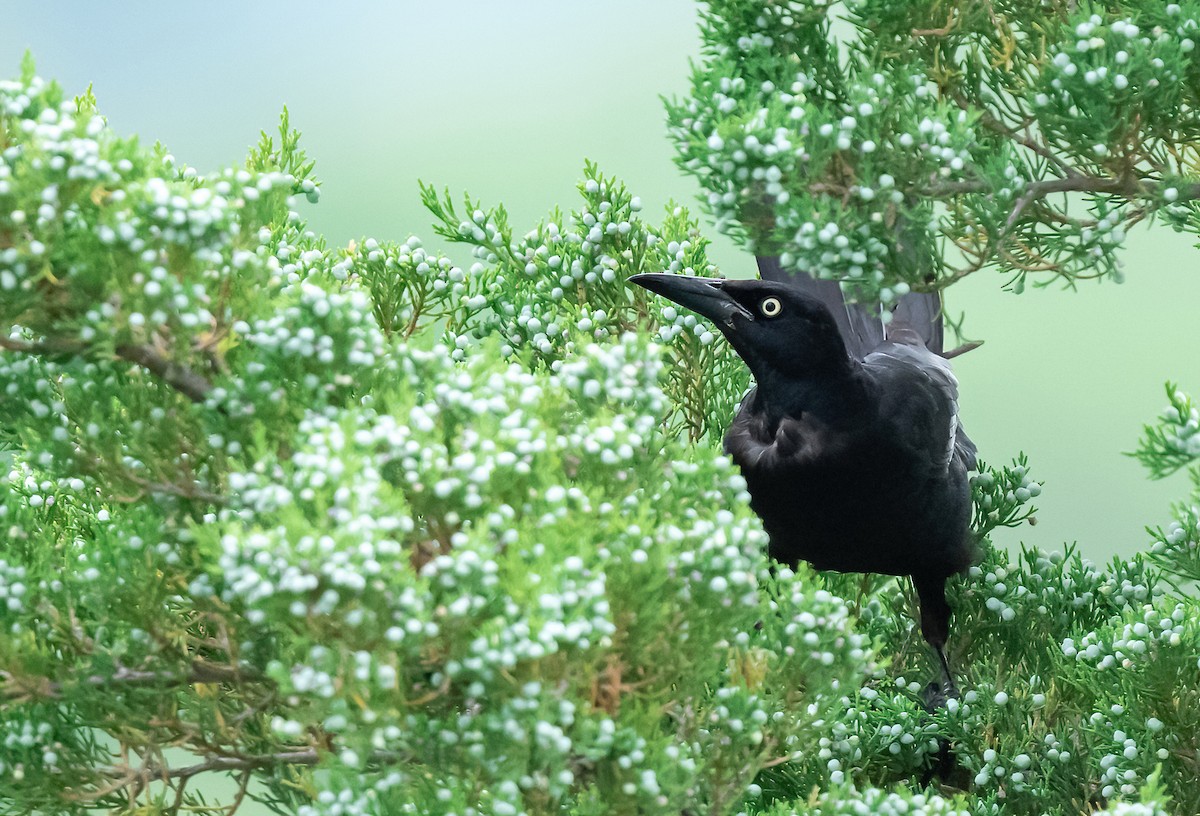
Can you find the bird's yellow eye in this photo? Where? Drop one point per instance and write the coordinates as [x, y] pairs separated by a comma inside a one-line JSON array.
[[770, 306]]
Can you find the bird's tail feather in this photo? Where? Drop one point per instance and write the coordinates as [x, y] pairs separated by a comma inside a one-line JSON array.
[[920, 312]]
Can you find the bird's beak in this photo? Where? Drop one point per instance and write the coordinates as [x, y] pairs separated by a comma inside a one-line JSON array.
[[707, 296]]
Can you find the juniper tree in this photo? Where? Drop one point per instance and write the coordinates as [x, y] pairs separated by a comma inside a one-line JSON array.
[[361, 530]]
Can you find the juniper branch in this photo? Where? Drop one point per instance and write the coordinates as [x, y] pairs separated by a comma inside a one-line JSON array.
[[199, 672], [183, 379], [1124, 187], [180, 377]]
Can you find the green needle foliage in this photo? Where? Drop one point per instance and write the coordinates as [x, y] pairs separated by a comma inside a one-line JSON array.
[[357, 530], [909, 144]]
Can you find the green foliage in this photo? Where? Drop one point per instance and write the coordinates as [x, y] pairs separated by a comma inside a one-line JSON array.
[[275, 505], [1001, 496], [563, 283], [1171, 445], [360, 531], [896, 145]]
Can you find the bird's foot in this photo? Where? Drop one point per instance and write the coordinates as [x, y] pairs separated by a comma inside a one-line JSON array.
[[935, 695]]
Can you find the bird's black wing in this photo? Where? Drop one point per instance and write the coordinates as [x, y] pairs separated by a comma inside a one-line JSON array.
[[919, 393]]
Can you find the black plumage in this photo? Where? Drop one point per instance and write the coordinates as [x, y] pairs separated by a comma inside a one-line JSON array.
[[850, 442]]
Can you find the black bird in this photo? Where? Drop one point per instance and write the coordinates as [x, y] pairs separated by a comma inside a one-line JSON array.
[[850, 442]]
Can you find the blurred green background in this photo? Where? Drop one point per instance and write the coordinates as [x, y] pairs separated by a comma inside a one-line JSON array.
[[506, 100]]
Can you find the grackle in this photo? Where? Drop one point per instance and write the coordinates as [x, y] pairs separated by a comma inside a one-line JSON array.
[[850, 442]]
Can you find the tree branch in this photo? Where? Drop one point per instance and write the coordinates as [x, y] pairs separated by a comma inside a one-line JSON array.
[[191, 491], [1127, 188], [1026, 140], [42, 349], [216, 763], [155, 772], [960, 350], [200, 672], [180, 377]]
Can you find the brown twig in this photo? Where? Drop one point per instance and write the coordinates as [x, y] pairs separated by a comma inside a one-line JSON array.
[[771, 763], [186, 491], [47, 347], [1125, 187], [160, 772], [180, 377], [963, 349], [1026, 140], [198, 673], [217, 763], [951, 23]]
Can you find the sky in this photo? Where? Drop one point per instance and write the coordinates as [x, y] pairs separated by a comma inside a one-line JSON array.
[[507, 100]]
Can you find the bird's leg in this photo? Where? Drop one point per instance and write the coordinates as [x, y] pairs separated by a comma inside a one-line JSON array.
[[948, 686], [935, 627]]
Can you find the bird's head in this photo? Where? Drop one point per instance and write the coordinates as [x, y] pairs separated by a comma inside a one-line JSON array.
[[778, 330]]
